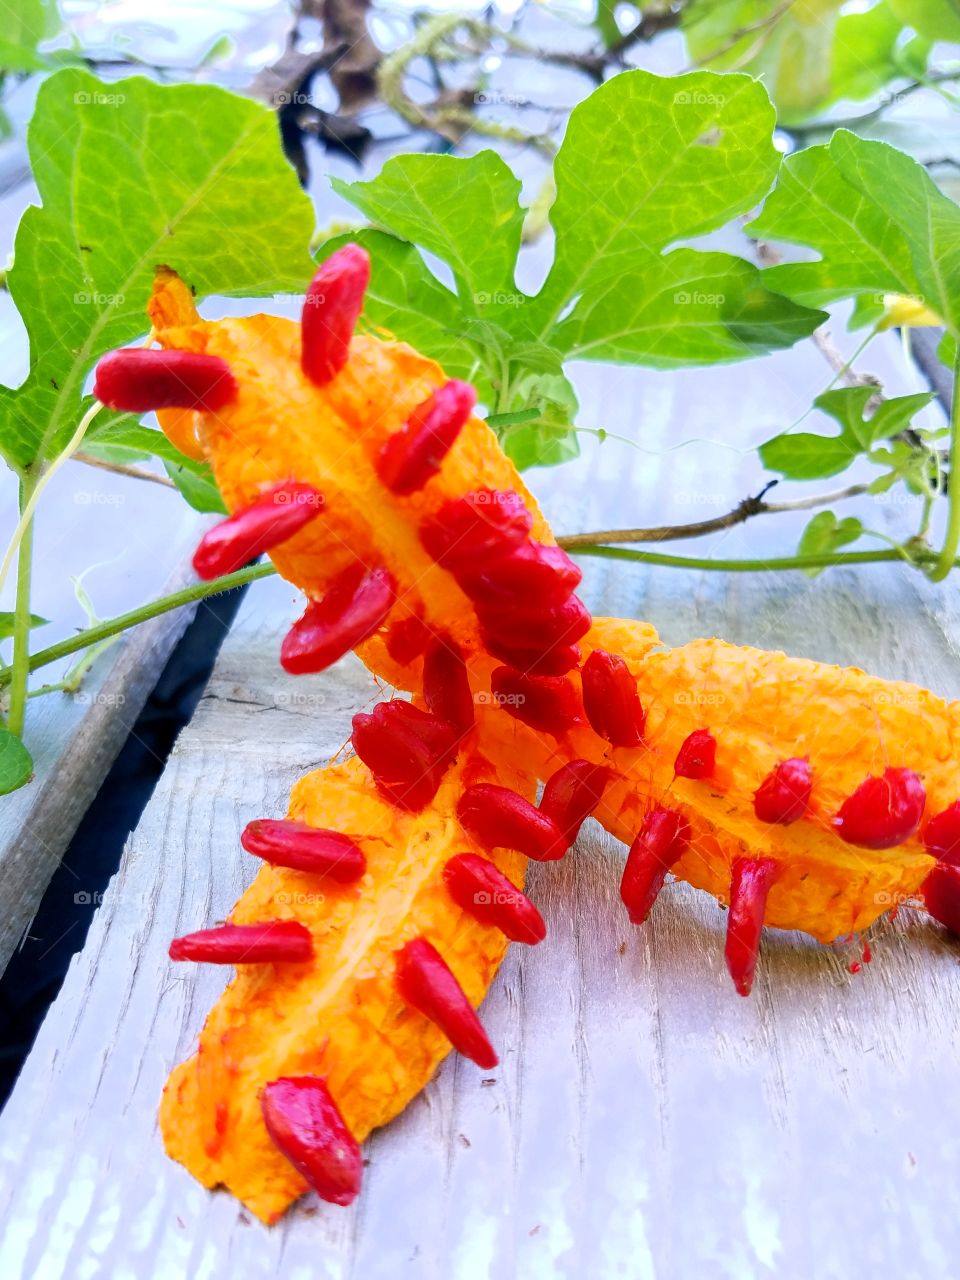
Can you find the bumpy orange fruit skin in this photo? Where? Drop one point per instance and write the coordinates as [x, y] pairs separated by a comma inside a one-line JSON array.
[[339, 1016]]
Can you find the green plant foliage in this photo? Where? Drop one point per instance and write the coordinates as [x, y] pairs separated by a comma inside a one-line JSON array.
[[131, 175], [877, 220], [16, 765], [811, 456], [646, 161]]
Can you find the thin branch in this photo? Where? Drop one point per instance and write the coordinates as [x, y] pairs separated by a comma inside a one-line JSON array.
[[743, 511], [749, 29], [123, 469], [650, 26], [841, 367], [819, 500], [889, 100]]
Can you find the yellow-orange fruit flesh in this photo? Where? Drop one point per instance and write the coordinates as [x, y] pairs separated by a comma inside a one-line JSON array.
[[763, 707], [338, 1016], [281, 427]]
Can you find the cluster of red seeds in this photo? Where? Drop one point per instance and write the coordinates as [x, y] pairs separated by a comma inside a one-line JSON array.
[[531, 621]]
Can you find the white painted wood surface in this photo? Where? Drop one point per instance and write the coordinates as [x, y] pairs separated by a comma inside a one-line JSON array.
[[645, 1121]]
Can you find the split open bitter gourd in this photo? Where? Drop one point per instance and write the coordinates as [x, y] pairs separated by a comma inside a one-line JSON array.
[[808, 797]]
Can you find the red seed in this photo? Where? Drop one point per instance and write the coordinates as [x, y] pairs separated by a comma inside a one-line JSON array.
[[413, 454], [941, 895], [426, 982], [355, 604], [498, 818], [476, 529], [882, 812], [539, 629], [482, 890], [284, 842], [572, 793], [407, 639], [276, 515], [446, 688], [784, 794], [942, 835], [555, 661], [139, 379], [611, 700], [407, 750], [330, 312], [305, 1124], [546, 703], [663, 840], [750, 883], [271, 940], [531, 575], [697, 755]]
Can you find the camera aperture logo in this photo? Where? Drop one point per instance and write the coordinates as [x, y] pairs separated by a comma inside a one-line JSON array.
[[698, 698], [697, 299], [99, 99], [697, 98], [483, 699], [484, 899]]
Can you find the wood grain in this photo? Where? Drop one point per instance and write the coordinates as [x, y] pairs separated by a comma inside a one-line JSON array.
[[74, 739], [645, 1121]]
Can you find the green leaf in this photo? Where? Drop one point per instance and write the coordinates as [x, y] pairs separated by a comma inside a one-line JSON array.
[[26, 24], [825, 534], [465, 210], [407, 300], [789, 46], [130, 175], [877, 220], [808, 456], [195, 481], [125, 432], [114, 454], [910, 465], [935, 19], [605, 21], [646, 161], [868, 309], [7, 624], [687, 308], [546, 439], [809, 54], [947, 350], [540, 444], [868, 53], [16, 766], [848, 404]]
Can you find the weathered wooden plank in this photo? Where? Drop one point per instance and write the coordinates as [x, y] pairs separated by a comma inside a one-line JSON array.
[[645, 1121], [136, 539]]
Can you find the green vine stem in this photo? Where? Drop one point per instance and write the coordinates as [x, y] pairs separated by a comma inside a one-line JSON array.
[[20, 667], [113, 626], [36, 489], [951, 540], [828, 560]]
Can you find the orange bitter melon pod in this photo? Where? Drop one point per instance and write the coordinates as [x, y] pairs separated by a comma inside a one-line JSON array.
[[807, 796]]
